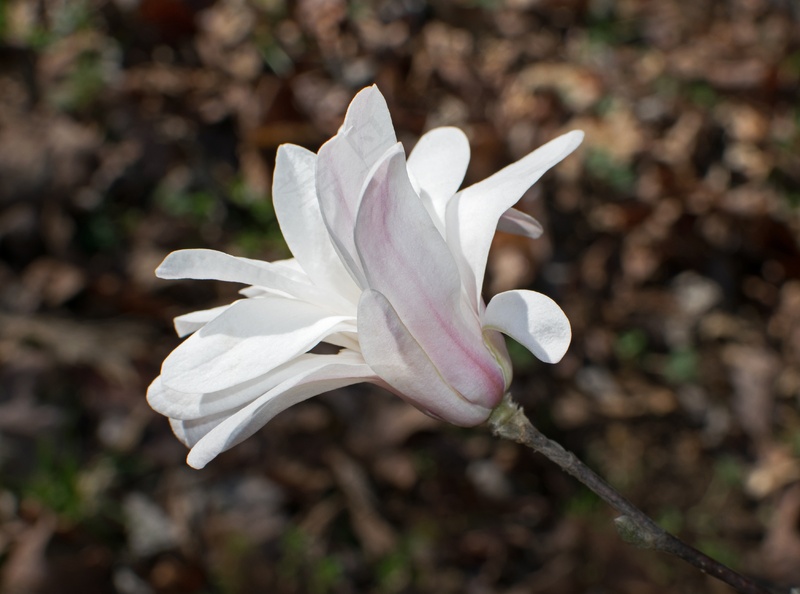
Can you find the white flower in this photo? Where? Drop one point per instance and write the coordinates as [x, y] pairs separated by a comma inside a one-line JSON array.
[[388, 264]]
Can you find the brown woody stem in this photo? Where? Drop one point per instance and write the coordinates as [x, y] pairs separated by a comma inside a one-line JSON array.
[[634, 526]]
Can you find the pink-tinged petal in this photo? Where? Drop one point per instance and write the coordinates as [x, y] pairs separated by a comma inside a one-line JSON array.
[[406, 259], [343, 164], [519, 223], [390, 349], [192, 322], [294, 195], [328, 372], [473, 213], [202, 264], [248, 340], [437, 165], [533, 320]]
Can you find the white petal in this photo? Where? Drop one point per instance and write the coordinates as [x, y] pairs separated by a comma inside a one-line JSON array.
[[190, 432], [277, 278], [192, 322], [473, 213], [533, 320], [406, 259], [329, 372], [252, 292], [248, 340], [394, 354], [343, 164], [519, 223], [437, 166], [294, 195], [192, 406], [348, 340], [188, 406]]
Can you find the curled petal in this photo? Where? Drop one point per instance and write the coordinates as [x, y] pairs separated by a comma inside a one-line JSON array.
[[406, 259], [390, 349], [533, 320], [248, 340], [473, 213]]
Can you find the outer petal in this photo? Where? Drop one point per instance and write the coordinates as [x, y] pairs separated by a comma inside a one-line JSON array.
[[328, 372], [188, 406], [250, 339], [533, 320], [394, 354], [519, 223], [406, 259], [277, 278], [472, 215], [193, 406], [437, 166], [343, 164], [190, 432], [294, 195]]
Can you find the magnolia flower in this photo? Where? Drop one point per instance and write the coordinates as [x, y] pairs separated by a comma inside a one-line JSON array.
[[388, 265]]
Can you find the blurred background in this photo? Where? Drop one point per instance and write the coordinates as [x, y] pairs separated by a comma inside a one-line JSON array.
[[130, 128]]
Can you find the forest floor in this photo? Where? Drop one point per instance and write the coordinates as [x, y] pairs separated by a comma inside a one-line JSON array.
[[131, 128]]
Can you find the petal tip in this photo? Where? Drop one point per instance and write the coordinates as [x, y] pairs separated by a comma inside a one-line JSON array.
[[532, 319], [196, 461], [576, 137]]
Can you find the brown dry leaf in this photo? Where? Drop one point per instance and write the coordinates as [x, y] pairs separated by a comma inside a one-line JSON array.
[[396, 422], [52, 282], [578, 87], [26, 569], [677, 146], [222, 42], [776, 468], [376, 535], [38, 154], [509, 266], [752, 199], [316, 522], [109, 347], [323, 19], [752, 371], [449, 51], [496, 58], [397, 469], [742, 122], [780, 552], [617, 134], [21, 416]]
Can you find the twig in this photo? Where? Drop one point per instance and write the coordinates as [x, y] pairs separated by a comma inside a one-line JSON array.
[[634, 526]]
